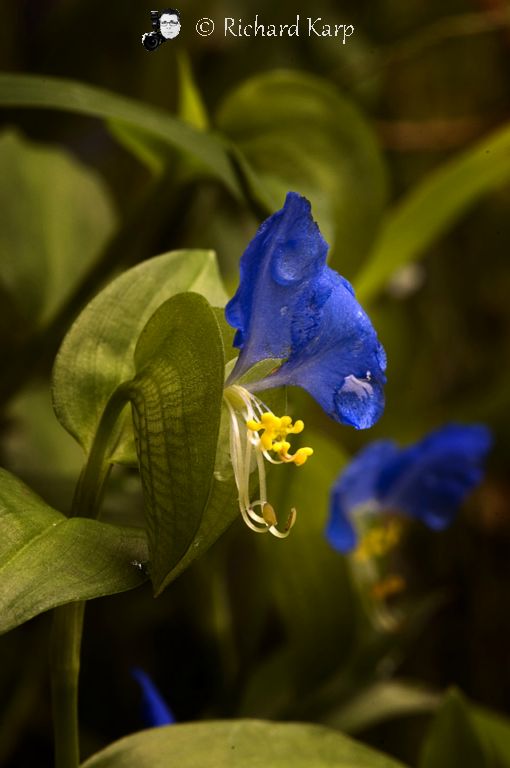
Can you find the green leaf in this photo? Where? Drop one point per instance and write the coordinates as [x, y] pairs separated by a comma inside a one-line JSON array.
[[432, 207], [467, 735], [70, 96], [47, 559], [221, 511], [239, 744], [176, 398], [152, 152], [306, 580], [304, 574], [37, 444], [56, 218], [97, 353], [156, 153], [382, 701], [299, 133], [191, 106]]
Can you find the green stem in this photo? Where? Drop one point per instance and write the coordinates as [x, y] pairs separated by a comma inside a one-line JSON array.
[[65, 669], [68, 619], [89, 489]]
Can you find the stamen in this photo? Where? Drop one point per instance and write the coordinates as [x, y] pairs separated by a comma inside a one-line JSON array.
[[269, 514], [391, 585], [274, 431], [379, 540], [246, 410]]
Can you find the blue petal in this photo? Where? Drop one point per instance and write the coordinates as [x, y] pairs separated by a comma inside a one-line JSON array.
[[281, 262], [291, 306], [335, 355], [427, 481], [430, 479], [356, 485], [155, 711]]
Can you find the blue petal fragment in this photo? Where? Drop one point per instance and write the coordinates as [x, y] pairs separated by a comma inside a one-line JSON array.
[[154, 709], [290, 305], [430, 479], [287, 252], [427, 481], [340, 362], [356, 485]]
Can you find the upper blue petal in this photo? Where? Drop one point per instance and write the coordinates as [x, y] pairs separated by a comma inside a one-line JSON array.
[[356, 485], [430, 479], [155, 711], [281, 262], [290, 305]]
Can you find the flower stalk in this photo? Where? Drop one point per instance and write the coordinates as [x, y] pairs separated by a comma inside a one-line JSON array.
[[67, 626]]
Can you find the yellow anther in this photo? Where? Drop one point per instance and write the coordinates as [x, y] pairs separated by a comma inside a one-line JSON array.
[[391, 585], [269, 420], [269, 514], [274, 431], [378, 541], [291, 519], [301, 456], [281, 447], [270, 519]]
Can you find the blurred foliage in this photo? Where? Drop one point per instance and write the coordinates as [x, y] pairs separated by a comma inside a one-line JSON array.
[[243, 743], [461, 731], [111, 155]]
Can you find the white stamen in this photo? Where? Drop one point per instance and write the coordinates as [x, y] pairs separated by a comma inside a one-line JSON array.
[[243, 442]]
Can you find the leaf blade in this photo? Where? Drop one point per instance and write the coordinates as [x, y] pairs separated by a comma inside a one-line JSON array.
[[176, 398], [298, 132], [48, 559], [96, 356], [236, 743], [52, 228], [431, 207], [463, 733], [72, 96]]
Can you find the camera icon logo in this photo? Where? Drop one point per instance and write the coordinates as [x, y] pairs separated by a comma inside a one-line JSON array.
[[166, 25]]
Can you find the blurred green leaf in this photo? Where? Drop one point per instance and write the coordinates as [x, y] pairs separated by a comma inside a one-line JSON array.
[[307, 580], [380, 702], [38, 450], [191, 106], [298, 132], [35, 442], [153, 151], [47, 559], [305, 574], [70, 96], [236, 743], [176, 397], [97, 353], [432, 207], [56, 217], [467, 735]]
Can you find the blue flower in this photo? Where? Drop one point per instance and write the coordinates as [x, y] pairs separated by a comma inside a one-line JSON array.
[[155, 711], [292, 307], [427, 481]]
